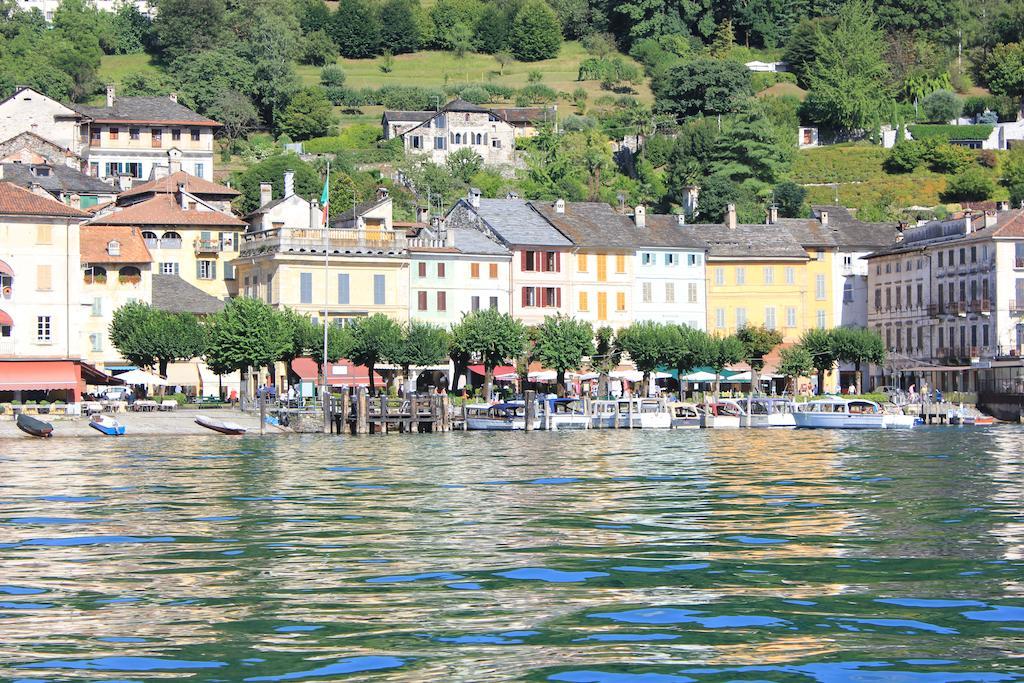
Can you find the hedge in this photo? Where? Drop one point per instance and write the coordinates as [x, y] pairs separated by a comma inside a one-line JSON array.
[[948, 132]]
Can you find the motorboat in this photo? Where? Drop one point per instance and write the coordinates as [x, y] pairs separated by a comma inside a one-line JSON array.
[[632, 413], [842, 413], [968, 418], [34, 426], [104, 424], [724, 414], [500, 417], [221, 426], [684, 415], [764, 411], [563, 413]]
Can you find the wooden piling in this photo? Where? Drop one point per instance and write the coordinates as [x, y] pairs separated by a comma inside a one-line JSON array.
[[346, 407], [362, 412], [530, 409], [412, 424], [328, 410]]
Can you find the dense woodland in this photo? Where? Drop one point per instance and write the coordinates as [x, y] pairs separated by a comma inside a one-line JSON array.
[[856, 67]]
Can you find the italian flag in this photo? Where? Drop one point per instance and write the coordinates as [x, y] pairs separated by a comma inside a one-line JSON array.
[[325, 200]]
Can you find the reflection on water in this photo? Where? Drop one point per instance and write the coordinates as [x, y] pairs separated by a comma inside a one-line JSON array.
[[600, 556]]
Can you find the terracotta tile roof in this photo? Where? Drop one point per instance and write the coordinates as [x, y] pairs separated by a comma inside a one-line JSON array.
[[164, 210], [169, 185], [95, 238], [17, 201], [1012, 224]]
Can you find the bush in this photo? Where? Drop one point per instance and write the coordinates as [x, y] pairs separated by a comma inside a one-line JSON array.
[[332, 75], [536, 93], [904, 157], [950, 158], [475, 94], [988, 158], [318, 49], [406, 97], [574, 123], [949, 132], [971, 185], [942, 106], [499, 92], [761, 81], [976, 105]]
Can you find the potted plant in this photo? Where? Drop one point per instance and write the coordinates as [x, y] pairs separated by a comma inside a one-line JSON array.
[[30, 407], [44, 407], [59, 408]]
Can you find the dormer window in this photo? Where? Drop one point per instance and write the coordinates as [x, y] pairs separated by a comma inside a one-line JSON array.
[[41, 171], [114, 248]]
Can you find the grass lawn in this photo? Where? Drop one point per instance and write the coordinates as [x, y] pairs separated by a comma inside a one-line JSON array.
[[114, 68]]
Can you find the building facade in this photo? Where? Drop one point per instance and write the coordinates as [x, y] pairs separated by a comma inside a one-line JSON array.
[[669, 271], [48, 7]]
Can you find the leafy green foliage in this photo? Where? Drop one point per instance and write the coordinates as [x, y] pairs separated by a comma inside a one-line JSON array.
[[309, 114], [702, 86], [318, 49], [795, 362], [271, 170], [401, 26], [942, 106], [824, 351], [561, 344], [464, 163], [356, 29], [375, 340], [189, 26], [970, 185], [720, 353], [685, 348], [421, 345], [1003, 70], [492, 337], [645, 343], [950, 132], [246, 334], [152, 338], [790, 198], [536, 32]]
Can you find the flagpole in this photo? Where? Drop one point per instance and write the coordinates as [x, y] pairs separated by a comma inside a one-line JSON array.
[[327, 284]]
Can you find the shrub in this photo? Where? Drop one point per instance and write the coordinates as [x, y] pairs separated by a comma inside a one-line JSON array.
[[971, 185], [949, 132], [904, 157], [976, 105], [949, 158], [475, 94], [536, 93], [942, 106], [406, 98], [761, 81], [332, 75], [573, 123], [534, 76], [988, 158], [499, 92]]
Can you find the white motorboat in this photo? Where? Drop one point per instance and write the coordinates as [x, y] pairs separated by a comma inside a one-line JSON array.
[[500, 417], [763, 411], [563, 413], [725, 414], [632, 413], [841, 413], [684, 415]]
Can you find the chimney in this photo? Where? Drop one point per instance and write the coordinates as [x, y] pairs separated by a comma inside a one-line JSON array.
[[110, 95], [990, 219], [173, 97], [692, 194], [1, 171], [160, 171], [823, 217], [1003, 206], [474, 197], [731, 216], [182, 200], [124, 182], [266, 193], [36, 188], [773, 214], [382, 193], [422, 214], [640, 216], [76, 201], [560, 206], [289, 183], [681, 219], [316, 215], [968, 222], [173, 161]]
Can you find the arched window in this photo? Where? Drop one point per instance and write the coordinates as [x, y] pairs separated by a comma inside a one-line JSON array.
[[114, 248], [479, 138], [458, 138], [170, 240], [129, 275], [150, 237], [95, 275]]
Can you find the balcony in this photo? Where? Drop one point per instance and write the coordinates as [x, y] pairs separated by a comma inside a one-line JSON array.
[[1018, 262], [1016, 307], [170, 244], [208, 246], [1009, 352], [936, 310], [6, 346], [960, 308], [983, 306], [306, 241]]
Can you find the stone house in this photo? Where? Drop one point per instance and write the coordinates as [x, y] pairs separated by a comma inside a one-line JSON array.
[[65, 184]]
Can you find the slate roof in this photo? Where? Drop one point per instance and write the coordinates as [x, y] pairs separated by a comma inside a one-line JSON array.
[[95, 238], [144, 110], [748, 241], [591, 224], [808, 232], [418, 116], [515, 222], [356, 211], [459, 104], [169, 184], [664, 231], [850, 233], [59, 179], [1009, 225], [164, 210], [17, 201], [172, 294], [525, 114], [469, 241]]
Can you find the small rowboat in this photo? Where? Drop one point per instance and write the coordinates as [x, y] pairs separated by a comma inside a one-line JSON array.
[[220, 425], [34, 427], [106, 425]]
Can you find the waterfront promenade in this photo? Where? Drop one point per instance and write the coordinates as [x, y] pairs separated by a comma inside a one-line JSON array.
[[177, 423]]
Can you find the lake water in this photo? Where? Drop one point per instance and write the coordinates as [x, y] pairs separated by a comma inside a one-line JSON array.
[[606, 556]]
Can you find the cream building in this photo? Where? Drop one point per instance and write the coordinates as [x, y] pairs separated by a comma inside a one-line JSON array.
[[116, 270], [48, 7], [28, 111], [669, 271]]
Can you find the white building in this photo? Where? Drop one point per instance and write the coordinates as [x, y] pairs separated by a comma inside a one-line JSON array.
[[48, 7], [670, 271]]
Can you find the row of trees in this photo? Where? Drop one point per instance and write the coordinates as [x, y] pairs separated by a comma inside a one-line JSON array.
[[248, 334]]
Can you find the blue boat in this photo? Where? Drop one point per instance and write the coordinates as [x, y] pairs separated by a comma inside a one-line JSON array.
[[106, 425]]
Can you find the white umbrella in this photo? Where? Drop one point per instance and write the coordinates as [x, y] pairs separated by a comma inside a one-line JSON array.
[[739, 377], [590, 376], [140, 377], [509, 377], [628, 375], [543, 376], [699, 376]]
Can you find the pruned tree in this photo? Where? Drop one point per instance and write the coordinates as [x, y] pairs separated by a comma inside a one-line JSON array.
[[858, 346], [758, 341], [376, 339], [152, 338], [494, 338], [720, 353], [607, 356], [821, 344], [422, 344], [561, 344], [247, 334], [685, 349], [645, 344], [795, 362]]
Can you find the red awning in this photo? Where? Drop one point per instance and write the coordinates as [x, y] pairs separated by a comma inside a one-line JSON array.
[[6, 269], [93, 375], [5, 319], [44, 375], [500, 370], [341, 374]]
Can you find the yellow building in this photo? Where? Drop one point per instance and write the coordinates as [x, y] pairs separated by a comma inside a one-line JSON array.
[[601, 263], [777, 274]]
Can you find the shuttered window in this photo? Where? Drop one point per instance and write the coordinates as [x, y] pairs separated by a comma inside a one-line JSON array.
[[422, 269], [343, 290], [442, 301], [581, 263], [44, 278], [620, 263], [440, 270], [474, 270], [494, 271], [584, 304], [306, 288], [602, 306], [620, 301], [421, 301], [379, 293], [602, 268]]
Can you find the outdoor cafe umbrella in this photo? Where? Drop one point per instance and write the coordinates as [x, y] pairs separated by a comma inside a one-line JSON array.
[[134, 377]]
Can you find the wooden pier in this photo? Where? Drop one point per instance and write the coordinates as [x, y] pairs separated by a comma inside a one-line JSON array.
[[359, 413]]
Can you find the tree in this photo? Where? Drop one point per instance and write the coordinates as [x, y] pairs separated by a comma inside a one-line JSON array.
[[268, 48], [758, 341], [339, 344], [299, 330], [421, 345], [723, 41], [702, 86], [356, 29], [750, 153], [821, 345], [685, 349], [188, 26], [204, 76], [152, 338], [562, 342], [802, 47], [145, 84], [459, 353], [970, 185], [942, 106], [271, 170], [1003, 70], [464, 163], [376, 339], [236, 114], [606, 357], [795, 362], [1013, 176], [454, 19], [247, 334], [645, 343], [789, 197], [720, 353], [318, 49], [536, 32], [400, 26], [849, 77], [132, 30], [715, 196], [503, 58], [858, 346], [494, 338], [309, 114]]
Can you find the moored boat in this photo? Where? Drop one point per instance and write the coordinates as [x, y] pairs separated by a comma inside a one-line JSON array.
[[500, 417], [34, 426], [968, 418], [763, 411], [563, 413], [725, 414], [632, 413], [104, 424], [221, 426], [684, 415], [841, 413]]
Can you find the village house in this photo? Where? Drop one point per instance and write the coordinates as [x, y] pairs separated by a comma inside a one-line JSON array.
[[30, 148], [538, 286], [49, 7], [65, 184]]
